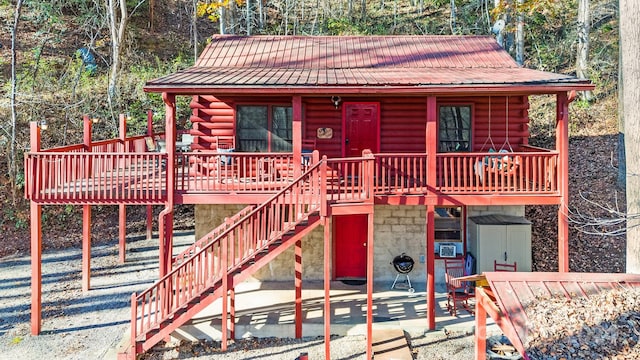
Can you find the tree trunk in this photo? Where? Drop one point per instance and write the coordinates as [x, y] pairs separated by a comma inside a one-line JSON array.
[[117, 26], [249, 17], [260, 15], [452, 18], [582, 58], [622, 160], [629, 39], [520, 36], [223, 20], [152, 5], [12, 163], [194, 29]]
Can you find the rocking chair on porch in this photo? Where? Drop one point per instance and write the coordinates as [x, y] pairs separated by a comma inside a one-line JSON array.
[[458, 291]]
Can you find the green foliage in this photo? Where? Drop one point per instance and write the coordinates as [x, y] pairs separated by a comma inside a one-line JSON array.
[[20, 180], [343, 26], [13, 216]]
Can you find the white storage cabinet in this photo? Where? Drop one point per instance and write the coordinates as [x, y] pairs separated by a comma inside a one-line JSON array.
[[504, 238]]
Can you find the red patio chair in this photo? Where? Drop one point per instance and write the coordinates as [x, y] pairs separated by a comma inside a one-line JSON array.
[[504, 267], [457, 291]]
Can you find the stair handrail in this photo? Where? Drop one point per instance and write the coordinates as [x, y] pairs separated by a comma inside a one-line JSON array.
[[211, 235], [183, 283]]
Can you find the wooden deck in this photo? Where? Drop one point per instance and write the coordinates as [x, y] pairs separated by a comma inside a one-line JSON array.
[[142, 177]]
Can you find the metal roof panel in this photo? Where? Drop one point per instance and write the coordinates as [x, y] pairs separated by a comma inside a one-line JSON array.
[[514, 291]]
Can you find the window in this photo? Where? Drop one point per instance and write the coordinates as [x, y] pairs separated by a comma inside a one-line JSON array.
[[264, 128], [454, 128], [449, 228]]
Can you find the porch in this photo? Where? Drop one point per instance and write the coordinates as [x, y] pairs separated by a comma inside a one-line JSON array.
[[266, 309], [124, 171]]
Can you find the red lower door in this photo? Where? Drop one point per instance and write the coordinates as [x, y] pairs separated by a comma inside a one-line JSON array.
[[350, 244]]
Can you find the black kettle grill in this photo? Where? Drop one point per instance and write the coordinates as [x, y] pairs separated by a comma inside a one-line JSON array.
[[403, 264]]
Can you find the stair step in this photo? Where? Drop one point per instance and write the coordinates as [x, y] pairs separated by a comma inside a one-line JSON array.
[[149, 334]]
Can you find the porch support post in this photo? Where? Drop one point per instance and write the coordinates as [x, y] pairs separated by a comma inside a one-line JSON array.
[[370, 279], [298, 284], [432, 148], [149, 222], [296, 127], [35, 210], [327, 288], [86, 212], [562, 145], [431, 259], [36, 267], [149, 207], [225, 292], [122, 211], [122, 231], [170, 138], [86, 247]]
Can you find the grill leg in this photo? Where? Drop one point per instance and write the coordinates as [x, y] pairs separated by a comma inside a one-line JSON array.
[[395, 281], [409, 282]]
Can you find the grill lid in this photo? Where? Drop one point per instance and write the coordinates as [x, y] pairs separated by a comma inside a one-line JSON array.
[[403, 263]]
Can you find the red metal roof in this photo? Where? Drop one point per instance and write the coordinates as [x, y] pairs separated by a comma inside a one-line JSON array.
[[514, 290], [246, 62]]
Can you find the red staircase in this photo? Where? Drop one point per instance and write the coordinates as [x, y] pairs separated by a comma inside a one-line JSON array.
[[225, 257]]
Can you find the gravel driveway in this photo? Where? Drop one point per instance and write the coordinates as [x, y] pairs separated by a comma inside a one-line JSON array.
[[79, 325]]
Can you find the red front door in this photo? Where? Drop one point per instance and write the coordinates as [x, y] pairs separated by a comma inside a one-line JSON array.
[[361, 122], [350, 244]]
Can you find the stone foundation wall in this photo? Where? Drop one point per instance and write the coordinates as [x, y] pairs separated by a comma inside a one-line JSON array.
[[397, 229], [282, 267]]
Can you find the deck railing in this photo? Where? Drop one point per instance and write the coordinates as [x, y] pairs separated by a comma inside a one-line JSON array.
[[124, 171], [95, 177], [204, 172], [349, 179], [497, 172], [401, 173]]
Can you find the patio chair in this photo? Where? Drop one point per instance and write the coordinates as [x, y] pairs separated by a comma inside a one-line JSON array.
[[308, 146], [221, 167], [504, 267], [457, 291], [156, 145]]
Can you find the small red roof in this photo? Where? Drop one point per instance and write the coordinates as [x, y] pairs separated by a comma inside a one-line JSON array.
[[352, 62]]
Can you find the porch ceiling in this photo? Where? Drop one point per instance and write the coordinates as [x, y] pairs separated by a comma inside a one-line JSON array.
[[358, 64]]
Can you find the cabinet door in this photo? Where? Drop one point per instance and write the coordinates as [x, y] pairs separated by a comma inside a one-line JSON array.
[[518, 246], [491, 246]]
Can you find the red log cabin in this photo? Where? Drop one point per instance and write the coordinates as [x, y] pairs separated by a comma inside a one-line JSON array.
[[337, 150]]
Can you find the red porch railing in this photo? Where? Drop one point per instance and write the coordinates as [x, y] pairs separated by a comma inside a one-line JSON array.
[[401, 173], [213, 266], [349, 179], [497, 172], [117, 171], [202, 172], [54, 177]]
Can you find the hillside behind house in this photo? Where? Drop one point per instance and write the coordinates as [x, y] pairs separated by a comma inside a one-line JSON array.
[[54, 83]]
